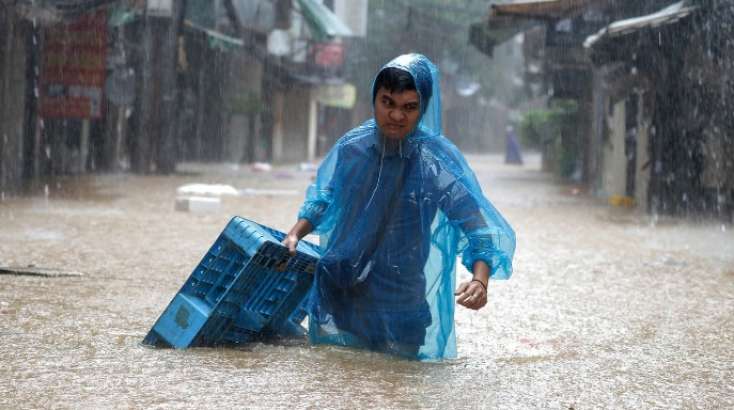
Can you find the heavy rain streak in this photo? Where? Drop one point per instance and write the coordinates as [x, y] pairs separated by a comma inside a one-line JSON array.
[[132, 132]]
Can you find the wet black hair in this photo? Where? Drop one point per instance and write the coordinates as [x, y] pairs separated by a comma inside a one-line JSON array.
[[394, 80]]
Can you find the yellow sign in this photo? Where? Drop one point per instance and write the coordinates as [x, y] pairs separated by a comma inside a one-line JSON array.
[[341, 95]]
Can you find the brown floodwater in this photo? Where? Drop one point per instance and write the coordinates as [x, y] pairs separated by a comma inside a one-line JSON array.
[[607, 308]]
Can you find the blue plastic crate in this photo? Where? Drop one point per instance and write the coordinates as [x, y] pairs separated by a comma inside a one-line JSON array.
[[247, 286]]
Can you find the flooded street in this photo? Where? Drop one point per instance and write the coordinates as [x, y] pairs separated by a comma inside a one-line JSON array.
[[607, 308]]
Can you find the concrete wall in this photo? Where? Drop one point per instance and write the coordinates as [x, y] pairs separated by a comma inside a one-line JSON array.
[[295, 126], [608, 160], [614, 161]]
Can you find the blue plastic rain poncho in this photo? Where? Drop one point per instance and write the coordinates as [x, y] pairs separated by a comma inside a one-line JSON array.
[[392, 222]]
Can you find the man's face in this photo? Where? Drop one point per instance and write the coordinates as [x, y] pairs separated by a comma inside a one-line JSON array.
[[396, 113]]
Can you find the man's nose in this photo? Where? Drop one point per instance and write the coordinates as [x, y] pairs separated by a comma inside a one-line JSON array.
[[397, 115]]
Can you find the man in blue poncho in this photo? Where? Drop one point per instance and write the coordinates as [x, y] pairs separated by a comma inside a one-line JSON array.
[[395, 203]]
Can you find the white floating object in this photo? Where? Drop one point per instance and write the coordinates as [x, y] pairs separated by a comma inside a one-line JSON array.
[[261, 167], [206, 190], [198, 204]]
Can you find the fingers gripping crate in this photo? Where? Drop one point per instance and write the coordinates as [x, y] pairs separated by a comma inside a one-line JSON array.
[[246, 286]]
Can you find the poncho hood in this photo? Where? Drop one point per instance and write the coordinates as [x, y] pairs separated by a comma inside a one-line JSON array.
[[426, 78]]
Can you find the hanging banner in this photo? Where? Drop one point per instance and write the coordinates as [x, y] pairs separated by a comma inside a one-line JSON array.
[[73, 68]]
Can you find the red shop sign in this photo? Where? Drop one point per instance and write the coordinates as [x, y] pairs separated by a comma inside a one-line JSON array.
[[73, 68]]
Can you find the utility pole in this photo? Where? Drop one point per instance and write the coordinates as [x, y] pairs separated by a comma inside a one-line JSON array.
[[140, 158], [166, 149], [156, 137]]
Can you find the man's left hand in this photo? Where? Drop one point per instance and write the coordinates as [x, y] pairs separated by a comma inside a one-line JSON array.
[[471, 295]]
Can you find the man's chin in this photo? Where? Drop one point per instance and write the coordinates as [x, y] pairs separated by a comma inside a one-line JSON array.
[[394, 135]]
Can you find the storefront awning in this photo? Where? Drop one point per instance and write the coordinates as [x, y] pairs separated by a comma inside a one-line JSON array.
[[202, 16], [216, 39], [323, 22], [668, 15], [120, 15]]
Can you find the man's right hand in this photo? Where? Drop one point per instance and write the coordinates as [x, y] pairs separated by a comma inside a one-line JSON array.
[[471, 295], [300, 229], [291, 242]]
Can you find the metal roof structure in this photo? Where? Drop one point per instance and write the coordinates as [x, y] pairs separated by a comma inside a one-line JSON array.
[[504, 21], [667, 15]]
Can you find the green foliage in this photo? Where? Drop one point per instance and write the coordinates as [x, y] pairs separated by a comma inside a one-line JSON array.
[[553, 131], [536, 128], [544, 126]]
